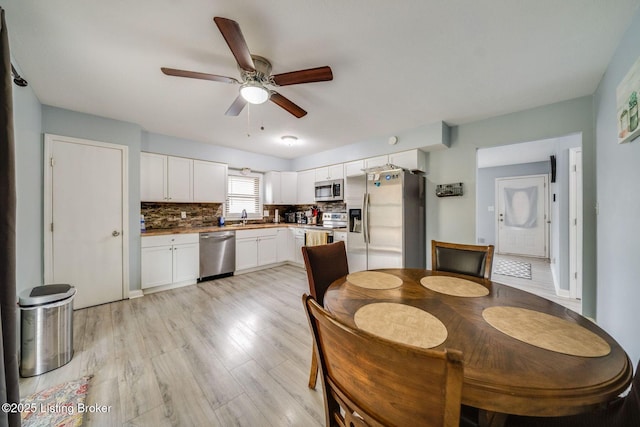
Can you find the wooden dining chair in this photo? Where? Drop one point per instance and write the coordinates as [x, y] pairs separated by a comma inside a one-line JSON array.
[[324, 265], [621, 412], [377, 382], [470, 260]]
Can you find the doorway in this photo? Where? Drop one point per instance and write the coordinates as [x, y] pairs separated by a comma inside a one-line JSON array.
[[86, 217]]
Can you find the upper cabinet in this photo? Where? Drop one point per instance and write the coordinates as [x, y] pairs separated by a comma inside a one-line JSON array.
[[413, 160], [354, 168], [280, 188], [289, 187], [153, 177], [306, 187], [177, 179], [328, 173], [372, 162], [209, 181]]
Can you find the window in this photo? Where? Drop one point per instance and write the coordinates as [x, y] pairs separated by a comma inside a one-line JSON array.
[[243, 192]]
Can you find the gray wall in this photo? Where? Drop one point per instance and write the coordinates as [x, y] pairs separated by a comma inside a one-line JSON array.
[[453, 218], [27, 123], [618, 176], [486, 187]]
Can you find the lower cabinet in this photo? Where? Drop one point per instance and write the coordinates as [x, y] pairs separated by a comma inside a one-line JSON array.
[[170, 259], [340, 236], [255, 248], [298, 243], [284, 245]]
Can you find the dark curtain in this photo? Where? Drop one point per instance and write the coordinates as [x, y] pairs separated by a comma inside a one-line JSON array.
[[9, 369]]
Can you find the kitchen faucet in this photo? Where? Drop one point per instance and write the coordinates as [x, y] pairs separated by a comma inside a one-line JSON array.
[[243, 215]]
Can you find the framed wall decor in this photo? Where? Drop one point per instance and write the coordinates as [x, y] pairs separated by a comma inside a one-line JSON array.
[[627, 95]]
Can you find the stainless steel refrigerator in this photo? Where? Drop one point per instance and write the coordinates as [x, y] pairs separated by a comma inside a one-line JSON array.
[[386, 208]]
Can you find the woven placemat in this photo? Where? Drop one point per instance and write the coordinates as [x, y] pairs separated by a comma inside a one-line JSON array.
[[374, 280], [401, 323], [454, 286], [546, 331]]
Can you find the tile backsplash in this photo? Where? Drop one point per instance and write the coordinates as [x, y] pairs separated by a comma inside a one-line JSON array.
[[168, 215]]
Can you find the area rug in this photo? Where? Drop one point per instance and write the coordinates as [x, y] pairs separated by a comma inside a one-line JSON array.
[[513, 268], [60, 406]]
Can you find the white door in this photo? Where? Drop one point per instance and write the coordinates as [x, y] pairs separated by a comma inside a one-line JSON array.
[[86, 218], [522, 215]]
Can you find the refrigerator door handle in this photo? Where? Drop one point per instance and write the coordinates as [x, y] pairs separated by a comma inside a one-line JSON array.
[[365, 217]]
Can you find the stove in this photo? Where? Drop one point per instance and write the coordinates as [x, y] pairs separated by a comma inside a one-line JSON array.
[[334, 220]]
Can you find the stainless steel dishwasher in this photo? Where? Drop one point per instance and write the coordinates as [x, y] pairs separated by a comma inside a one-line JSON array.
[[217, 253]]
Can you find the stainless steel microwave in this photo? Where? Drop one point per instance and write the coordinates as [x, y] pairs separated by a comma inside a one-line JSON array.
[[328, 191]]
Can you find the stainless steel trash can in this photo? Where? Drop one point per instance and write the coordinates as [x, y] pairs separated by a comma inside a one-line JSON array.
[[46, 328]]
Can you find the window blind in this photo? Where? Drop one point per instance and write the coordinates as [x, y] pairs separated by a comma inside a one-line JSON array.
[[243, 192]]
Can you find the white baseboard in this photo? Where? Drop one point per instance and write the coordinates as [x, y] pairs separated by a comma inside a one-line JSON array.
[[169, 286], [137, 293]]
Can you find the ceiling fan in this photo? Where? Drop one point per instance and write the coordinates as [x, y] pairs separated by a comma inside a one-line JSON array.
[[255, 73]]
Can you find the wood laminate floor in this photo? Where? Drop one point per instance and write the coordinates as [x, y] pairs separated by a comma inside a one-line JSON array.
[[231, 352]]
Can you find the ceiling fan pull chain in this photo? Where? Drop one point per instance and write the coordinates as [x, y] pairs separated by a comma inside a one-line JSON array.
[[248, 120]]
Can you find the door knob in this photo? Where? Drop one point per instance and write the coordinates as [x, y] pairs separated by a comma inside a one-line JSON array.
[[115, 233]]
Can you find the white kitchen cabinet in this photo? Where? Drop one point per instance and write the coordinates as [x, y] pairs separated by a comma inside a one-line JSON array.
[[267, 249], [280, 188], [354, 168], [255, 248], [306, 187], [376, 161], [170, 259], [186, 262], [298, 243], [179, 179], [289, 187], [153, 177], [413, 160], [272, 188], [328, 173], [340, 236], [246, 252], [165, 178], [284, 245], [209, 182]]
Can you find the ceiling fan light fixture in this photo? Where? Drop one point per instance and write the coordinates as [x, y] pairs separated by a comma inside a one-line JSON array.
[[254, 93]]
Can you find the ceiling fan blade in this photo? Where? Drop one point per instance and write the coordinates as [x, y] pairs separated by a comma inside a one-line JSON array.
[[233, 36], [319, 74], [236, 107], [196, 75], [283, 102]]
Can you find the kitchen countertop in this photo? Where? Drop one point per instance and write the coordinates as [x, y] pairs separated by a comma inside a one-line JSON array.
[[230, 227]]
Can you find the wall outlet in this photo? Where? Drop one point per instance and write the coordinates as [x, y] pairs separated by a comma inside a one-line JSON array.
[[183, 215], [265, 212]]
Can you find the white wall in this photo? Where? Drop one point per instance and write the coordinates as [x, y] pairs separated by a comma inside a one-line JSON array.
[[618, 175]]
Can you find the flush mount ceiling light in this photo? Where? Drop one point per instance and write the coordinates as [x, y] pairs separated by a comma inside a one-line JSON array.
[[254, 92], [289, 139]]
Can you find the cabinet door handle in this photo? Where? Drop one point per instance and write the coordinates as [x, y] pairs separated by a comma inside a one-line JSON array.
[[115, 233]]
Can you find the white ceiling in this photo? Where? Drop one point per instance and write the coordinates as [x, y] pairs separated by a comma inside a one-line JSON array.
[[396, 65]]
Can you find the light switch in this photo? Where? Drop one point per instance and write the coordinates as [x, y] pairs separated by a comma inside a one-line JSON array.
[[183, 215], [265, 212]]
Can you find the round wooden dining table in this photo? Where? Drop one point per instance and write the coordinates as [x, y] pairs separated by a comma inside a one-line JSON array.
[[511, 365]]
